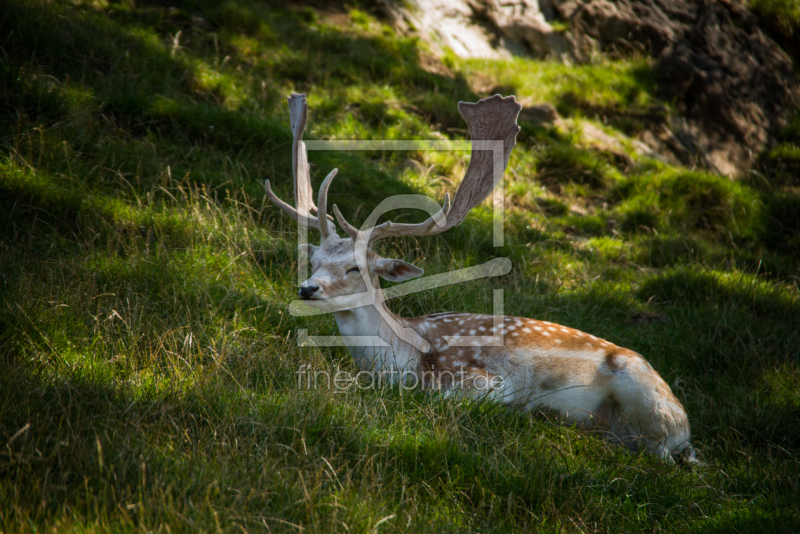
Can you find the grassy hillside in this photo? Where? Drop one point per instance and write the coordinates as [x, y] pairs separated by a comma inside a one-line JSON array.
[[148, 361]]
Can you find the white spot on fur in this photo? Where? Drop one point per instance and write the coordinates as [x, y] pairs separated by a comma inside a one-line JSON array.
[[546, 333], [472, 332], [526, 330], [537, 328]]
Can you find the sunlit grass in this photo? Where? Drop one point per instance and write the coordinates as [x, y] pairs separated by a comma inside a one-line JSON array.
[[607, 87], [149, 363]]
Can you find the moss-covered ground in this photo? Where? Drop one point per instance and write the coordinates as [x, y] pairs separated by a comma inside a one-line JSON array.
[[148, 363]]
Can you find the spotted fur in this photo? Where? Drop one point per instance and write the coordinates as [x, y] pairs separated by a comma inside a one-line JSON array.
[[533, 365]]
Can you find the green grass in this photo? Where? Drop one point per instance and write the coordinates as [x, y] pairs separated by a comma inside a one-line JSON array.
[[148, 358], [620, 92], [781, 20]]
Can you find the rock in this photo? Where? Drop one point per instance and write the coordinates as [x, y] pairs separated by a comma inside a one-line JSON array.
[[445, 24], [735, 86], [488, 29], [540, 114], [651, 22], [590, 135], [523, 22], [660, 139], [730, 82]]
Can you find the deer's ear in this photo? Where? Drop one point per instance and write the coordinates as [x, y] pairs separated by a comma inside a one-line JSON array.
[[396, 270], [308, 249]]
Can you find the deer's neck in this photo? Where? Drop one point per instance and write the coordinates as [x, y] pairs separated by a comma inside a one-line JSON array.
[[368, 321]]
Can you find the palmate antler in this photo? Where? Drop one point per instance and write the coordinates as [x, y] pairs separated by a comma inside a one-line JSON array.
[[303, 194], [491, 121]]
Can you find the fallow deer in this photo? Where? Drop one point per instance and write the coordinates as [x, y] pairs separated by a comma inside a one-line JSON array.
[[537, 365]]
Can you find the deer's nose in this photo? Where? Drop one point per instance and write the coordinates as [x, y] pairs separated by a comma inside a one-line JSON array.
[[307, 291]]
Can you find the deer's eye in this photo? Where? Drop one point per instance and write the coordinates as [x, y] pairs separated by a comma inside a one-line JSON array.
[[352, 270]]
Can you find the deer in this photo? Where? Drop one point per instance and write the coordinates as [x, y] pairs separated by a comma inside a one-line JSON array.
[[522, 363]]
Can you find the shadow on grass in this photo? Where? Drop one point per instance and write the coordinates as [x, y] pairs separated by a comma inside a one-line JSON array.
[[82, 447], [91, 445], [700, 288], [116, 66], [528, 470], [212, 435], [781, 230]]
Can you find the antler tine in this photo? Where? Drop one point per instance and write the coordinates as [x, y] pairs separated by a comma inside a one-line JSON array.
[[435, 224], [298, 115], [284, 206], [351, 230], [322, 211], [303, 194], [490, 119]]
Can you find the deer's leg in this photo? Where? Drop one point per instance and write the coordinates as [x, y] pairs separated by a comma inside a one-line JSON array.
[[612, 423]]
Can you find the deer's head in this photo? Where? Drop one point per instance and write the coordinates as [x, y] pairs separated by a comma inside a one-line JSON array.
[[335, 269], [347, 266]]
